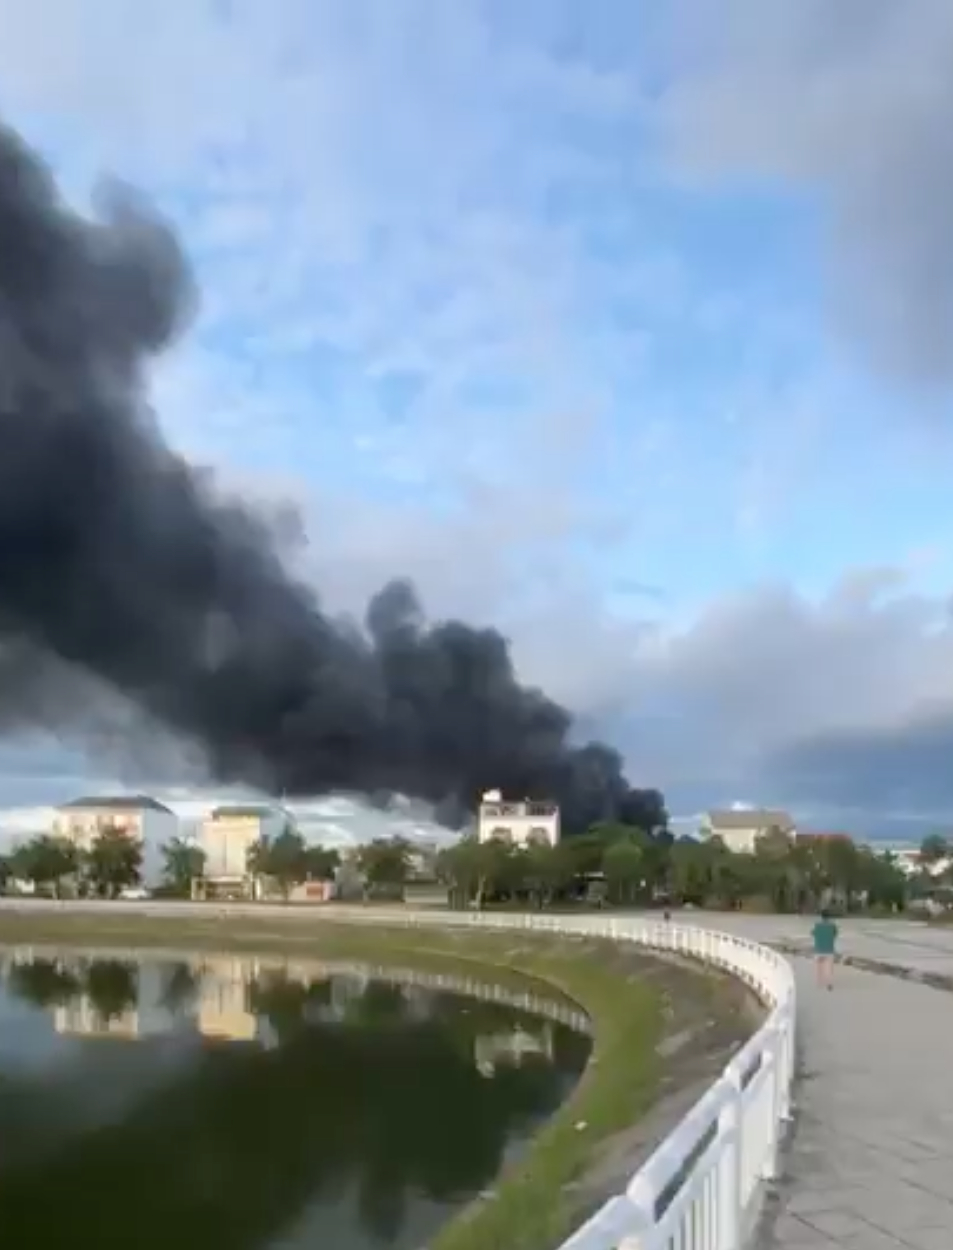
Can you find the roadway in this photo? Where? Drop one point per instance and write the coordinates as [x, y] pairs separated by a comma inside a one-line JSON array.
[[870, 1164]]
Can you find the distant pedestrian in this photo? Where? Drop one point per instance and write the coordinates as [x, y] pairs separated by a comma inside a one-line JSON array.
[[824, 934]]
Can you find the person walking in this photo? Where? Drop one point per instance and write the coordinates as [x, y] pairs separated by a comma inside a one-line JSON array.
[[824, 934]]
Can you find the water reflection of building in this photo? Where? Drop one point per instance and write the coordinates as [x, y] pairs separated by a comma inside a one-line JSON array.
[[512, 1048], [79, 1017], [224, 1001]]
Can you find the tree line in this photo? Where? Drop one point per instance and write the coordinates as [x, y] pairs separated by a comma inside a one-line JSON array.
[[113, 862], [611, 864], [110, 863], [622, 866]]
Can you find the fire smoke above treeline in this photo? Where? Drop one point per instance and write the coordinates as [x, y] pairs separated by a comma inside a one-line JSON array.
[[117, 558]]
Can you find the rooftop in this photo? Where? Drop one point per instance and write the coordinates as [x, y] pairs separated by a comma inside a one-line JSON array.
[[116, 803], [750, 818], [823, 835], [227, 810]]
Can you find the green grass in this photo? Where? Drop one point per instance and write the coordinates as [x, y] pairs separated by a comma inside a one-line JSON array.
[[532, 1206]]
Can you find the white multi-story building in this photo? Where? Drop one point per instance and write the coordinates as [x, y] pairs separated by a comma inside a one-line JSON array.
[[80, 1017], [141, 817], [523, 822]]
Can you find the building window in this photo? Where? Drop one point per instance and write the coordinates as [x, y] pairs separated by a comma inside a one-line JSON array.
[[540, 809], [538, 836], [502, 834]]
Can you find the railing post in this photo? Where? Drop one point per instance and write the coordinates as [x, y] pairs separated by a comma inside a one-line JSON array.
[[642, 1197], [770, 1060], [786, 1062], [729, 1169]]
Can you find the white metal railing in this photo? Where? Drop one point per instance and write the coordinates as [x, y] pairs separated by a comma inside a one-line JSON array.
[[700, 1188]]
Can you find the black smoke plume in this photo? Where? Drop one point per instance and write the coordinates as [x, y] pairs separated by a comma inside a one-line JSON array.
[[117, 559]]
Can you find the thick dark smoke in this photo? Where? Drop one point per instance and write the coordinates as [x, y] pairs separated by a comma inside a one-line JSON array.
[[118, 560]]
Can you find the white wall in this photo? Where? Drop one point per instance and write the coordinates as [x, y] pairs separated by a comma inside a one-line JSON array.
[[227, 841], [741, 841]]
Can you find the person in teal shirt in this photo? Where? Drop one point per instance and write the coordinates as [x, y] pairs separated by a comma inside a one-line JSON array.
[[824, 934]]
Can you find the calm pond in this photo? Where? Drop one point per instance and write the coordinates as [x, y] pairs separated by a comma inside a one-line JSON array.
[[217, 1102]]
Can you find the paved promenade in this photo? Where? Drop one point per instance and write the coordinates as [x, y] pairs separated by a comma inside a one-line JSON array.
[[871, 1163]]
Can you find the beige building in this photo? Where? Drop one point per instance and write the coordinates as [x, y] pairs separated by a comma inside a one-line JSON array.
[[521, 823], [227, 835], [224, 996], [138, 815], [741, 827]]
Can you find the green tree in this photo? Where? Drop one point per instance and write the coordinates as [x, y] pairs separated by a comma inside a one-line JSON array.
[[385, 865], [45, 861], [321, 862], [180, 987], [473, 870], [284, 858], [542, 870], [460, 869], [584, 851], [884, 881], [624, 866], [113, 862], [183, 861], [112, 986], [774, 843], [732, 876], [933, 848], [43, 982], [6, 871], [690, 871]]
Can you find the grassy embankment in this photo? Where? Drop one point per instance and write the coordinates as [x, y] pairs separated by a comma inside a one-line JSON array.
[[536, 1202]]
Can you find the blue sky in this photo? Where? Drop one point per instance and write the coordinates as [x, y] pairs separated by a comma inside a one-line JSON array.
[[620, 331]]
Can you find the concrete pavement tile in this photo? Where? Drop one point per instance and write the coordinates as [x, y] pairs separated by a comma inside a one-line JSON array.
[[816, 1242], [936, 1177], [929, 1239], [791, 1228], [872, 1239], [805, 1239], [837, 1223], [831, 1196], [900, 1219]]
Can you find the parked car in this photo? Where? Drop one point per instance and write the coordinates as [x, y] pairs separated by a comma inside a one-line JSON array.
[[134, 893]]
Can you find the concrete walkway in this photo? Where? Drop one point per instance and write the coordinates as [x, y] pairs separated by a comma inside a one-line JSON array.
[[870, 1166]]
